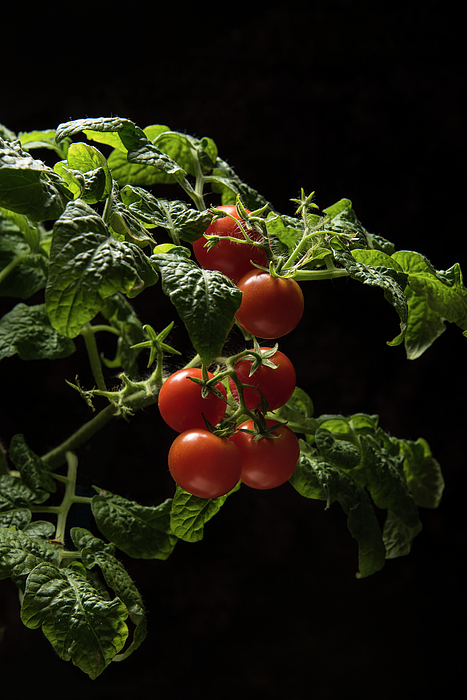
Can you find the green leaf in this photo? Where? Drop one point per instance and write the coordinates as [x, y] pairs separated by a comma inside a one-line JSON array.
[[22, 224], [21, 552], [86, 173], [206, 301], [315, 479], [398, 537], [391, 280], [423, 473], [298, 412], [339, 453], [26, 330], [44, 138], [28, 186], [22, 273], [176, 217], [86, 266], [81, 625], [386, 482], [434, 296], [142, 532], [33, 470], [16, 499], [96, 552], [191, 513]]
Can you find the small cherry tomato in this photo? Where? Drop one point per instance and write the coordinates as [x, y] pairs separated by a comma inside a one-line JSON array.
[[276, 385], [233, 259], [267, 462], [271, 306], [204, 464], [182, 405]]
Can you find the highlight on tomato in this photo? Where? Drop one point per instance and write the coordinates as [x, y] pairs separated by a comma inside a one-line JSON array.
[[275, 385], [232, 259], [204, 464], [271, 306], [270, 461], [182, 405]]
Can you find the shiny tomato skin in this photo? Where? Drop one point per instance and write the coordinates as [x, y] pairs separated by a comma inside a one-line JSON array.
[[230, 258], [271, 306], [204, 464], [276, 385], [267, 463], [181, 404]]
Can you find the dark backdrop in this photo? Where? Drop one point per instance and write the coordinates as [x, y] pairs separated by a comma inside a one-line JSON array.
[[350, 99]]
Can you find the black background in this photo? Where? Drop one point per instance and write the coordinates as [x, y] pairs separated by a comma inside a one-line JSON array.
[[350, 99]]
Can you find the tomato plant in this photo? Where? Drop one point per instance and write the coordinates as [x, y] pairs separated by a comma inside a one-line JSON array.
[[269, 461], [182, 404], [275, 384], [205, 465], [77, 246], [233, 259], [271, 306]]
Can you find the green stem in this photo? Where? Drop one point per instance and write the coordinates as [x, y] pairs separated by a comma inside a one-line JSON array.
[[11, 266], [331, 273], [68, 496], [87, 332]]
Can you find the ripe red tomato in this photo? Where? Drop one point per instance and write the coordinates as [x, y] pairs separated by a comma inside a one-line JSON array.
[[267, 462], [276, 385], [204, 464], [233, 259], [181, 404], [271, 306]]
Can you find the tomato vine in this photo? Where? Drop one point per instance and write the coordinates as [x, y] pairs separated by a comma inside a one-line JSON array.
[[92, 233]]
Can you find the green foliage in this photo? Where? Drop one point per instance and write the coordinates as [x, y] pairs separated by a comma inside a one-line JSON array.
[[92, 233]]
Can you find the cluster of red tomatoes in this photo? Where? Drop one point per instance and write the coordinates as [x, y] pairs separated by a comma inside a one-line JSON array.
[[271, 306], [210, 465]]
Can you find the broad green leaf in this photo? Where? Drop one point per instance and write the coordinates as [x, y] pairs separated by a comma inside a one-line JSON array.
[[423, 473], [389, 279], [114, 131], [126, 226], [398, 537], [191, 513], [142, 532], [434, 296], [21, 551], [28, 186], [22, 273], [386, 482], [339, 453], [96, 552], [81, 625], [26, 330], [176, 217], [33, 470], [315, 479], [86, 173], [206, 301], [22, 224], [16, 499], [187, 150], [44, 138], [86, 266]]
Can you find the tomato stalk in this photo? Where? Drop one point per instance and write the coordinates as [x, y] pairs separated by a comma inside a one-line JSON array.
[[69, 498]]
